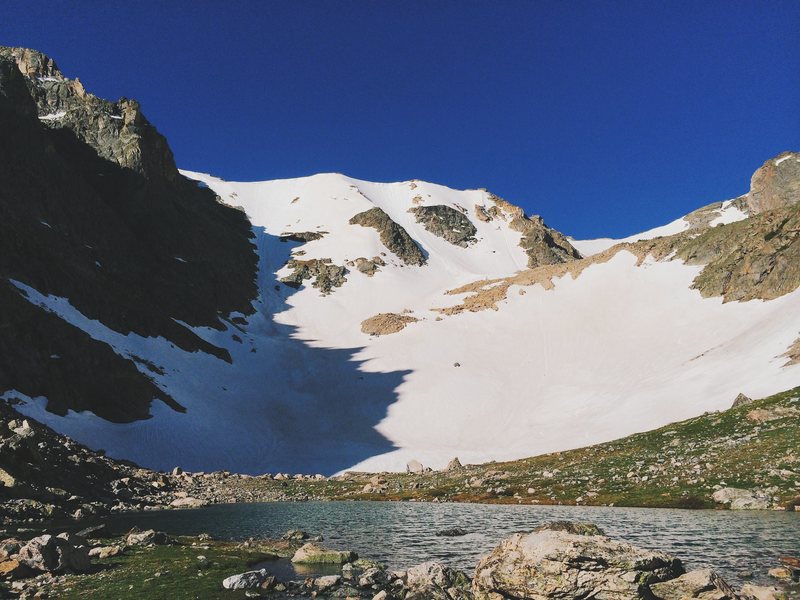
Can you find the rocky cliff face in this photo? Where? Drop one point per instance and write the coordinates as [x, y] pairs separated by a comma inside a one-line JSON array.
[[93, 210], [776, 184], [118, 131]]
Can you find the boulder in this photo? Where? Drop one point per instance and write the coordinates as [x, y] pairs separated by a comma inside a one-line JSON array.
[[187, 502], [415, 467], [150, 536], [9, 547], [295, 535], [704, 583], [7, 479], [248, 580], [326, 583], [373, 576], [313, 553], [14, 569], [555, 563], [782, 573], [740, 499], [103, 552], [435, 581], [454, 465], [757, 592], [54, 554], [741, 400]]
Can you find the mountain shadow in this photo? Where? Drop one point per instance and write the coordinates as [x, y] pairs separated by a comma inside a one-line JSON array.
[[166, 302]]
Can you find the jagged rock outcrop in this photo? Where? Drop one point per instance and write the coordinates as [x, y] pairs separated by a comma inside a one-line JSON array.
[[543, 245], [324, 273], [367, 266], [393, 236], [118, 131], [447, 223], [755, 258], [776, 184], [93, 210], [556, 563]]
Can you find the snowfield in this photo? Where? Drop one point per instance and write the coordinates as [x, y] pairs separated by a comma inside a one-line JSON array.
[[618, 350]]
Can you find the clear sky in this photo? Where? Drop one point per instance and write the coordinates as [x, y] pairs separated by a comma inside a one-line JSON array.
[[606, 118]]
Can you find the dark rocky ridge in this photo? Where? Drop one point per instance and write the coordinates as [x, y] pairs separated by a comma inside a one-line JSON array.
[[393, 236], [93, 209], [542, 244], [447, 223]]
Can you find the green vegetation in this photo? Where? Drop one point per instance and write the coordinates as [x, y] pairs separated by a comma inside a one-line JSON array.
[[753, 446], [172, 571]]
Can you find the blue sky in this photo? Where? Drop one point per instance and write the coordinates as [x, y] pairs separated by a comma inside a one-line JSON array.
[[606, 118]]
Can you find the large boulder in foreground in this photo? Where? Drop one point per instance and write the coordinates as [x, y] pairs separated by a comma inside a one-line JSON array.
[[53, 554], [558, 563]]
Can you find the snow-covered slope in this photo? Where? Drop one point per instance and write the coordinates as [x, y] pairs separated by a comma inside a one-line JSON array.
[[619, 349]]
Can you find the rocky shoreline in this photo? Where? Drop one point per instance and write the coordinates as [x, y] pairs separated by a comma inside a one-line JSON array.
[[558, 560]]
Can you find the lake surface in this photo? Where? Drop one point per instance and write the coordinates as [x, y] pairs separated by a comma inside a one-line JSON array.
[[402, 534]]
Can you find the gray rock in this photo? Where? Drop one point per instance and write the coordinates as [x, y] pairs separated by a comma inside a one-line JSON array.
[[150, 536], [446, 223], [326, 583], [454, 465], [452, 532], [324, 273], [435, 581], [740, 499], [393, 236], [54, 554], [187, 502], [415, 467], [704, 583], [559, 564], [741, 400], [313, 553], [247, 580], [757, 592]]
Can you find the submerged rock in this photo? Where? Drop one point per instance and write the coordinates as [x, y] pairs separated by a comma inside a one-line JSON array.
[[452, 532]]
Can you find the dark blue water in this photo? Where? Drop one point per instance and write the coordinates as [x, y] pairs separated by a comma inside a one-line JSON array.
[[402, 534]]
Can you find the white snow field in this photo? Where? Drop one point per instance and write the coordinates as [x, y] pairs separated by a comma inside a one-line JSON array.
[[618, 350]]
